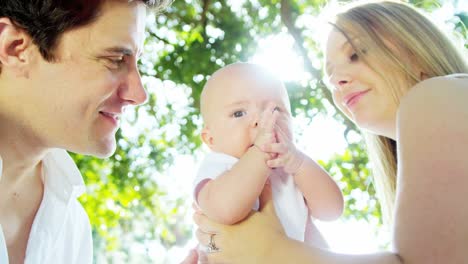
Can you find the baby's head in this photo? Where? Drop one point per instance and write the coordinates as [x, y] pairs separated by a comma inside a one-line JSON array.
[[232, 102]]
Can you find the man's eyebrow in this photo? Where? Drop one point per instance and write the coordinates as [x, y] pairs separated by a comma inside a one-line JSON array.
[[120, 50]]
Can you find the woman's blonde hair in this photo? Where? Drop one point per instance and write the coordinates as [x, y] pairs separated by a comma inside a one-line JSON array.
[[403, 47]]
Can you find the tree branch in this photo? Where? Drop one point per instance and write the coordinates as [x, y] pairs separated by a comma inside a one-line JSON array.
[[288, 21], [204, 20], [152, 34]]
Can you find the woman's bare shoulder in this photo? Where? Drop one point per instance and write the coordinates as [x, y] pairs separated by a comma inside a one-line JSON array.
[[432, 136], [436, 97], [436, 111]]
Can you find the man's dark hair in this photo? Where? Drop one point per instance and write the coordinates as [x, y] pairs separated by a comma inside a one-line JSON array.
[[46, 20]]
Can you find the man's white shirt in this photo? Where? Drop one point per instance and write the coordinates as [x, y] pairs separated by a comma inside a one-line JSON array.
[[61, 232]]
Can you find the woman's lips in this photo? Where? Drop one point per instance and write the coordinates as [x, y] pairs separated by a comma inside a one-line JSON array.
[[352, 98]]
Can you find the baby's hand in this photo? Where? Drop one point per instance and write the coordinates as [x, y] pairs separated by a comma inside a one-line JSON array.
[[289, 157], [285, 124], [266, 127]]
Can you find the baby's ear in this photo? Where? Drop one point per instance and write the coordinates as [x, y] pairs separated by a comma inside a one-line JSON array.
[[206, 137]]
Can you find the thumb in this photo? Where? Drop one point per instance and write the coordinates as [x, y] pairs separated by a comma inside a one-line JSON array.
[[266, 198]]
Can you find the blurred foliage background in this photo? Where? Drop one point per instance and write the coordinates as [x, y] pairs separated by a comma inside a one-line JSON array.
[[131, 204]]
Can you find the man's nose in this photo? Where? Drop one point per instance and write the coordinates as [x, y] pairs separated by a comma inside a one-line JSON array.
[[133, 91]]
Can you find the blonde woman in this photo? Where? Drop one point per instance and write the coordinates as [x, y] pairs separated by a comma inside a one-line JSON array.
[[395, 75]]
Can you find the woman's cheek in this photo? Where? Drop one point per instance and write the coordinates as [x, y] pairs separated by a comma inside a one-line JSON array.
[[340, 105]]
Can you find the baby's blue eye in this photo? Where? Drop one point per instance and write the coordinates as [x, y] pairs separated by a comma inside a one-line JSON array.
[[238, 114]]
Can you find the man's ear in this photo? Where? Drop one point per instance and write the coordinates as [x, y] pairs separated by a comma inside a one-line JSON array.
[[206, 137], [14, 46]]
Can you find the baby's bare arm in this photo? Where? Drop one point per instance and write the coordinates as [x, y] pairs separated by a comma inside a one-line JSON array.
[[321, 192], [230, 197]]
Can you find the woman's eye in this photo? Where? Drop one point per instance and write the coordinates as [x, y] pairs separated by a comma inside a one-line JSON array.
[[277, 108], [355, 57], [238, 114]]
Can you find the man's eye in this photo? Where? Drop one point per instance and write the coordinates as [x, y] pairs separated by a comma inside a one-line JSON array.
[[277, 108], [116, 61], [238, 114]]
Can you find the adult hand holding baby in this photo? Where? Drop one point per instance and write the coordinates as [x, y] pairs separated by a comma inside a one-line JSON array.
[[229, 237]]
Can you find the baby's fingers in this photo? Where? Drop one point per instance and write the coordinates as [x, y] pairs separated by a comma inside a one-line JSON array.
[[281, 135], [285, 124], [269, 117], [275, 148], [276, 163]]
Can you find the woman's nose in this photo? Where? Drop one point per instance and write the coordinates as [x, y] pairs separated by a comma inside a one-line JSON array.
[[340, 79]]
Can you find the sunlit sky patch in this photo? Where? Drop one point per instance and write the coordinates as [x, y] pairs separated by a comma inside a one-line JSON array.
[[277, 54]]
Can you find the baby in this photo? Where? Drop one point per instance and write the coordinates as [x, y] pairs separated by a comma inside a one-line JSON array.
[[247, 125]]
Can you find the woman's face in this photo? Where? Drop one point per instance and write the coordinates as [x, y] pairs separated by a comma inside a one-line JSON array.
[[359, 91]]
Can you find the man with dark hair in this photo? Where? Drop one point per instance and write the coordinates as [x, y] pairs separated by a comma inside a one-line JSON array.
[[68, 70]]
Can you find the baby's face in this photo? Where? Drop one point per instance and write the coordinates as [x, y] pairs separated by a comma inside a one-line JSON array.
[[233, 105]]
